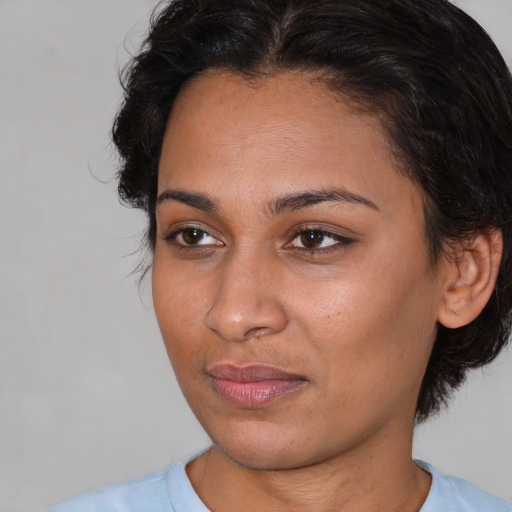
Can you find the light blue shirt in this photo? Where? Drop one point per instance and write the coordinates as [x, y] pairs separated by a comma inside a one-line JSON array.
[[171, 491]]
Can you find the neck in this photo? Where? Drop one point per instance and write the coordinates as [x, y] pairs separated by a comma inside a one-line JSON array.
[[381, 476]]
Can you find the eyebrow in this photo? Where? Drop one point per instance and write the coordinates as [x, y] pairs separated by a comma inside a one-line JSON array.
[[200, 201], [285, 204], [302, 200]]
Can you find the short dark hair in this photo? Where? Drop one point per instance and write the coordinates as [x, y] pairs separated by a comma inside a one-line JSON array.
[[428, 70]]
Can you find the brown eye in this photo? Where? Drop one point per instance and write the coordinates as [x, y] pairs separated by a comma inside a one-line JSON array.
[[311, 239], [318, 240], [192, 236]]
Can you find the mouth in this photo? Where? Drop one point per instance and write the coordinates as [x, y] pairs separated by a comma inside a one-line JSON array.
[[252, 386]]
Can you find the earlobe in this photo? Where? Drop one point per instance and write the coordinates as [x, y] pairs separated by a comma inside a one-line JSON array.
[[471, 276]]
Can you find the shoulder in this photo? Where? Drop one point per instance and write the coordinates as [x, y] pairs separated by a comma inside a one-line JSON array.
[[168, 491], [146, 493], [452, 494]]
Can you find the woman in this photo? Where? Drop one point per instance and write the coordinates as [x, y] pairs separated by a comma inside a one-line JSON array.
[[329, 193]]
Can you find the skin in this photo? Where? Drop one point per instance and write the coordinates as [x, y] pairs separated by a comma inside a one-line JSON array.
[[355, 318]]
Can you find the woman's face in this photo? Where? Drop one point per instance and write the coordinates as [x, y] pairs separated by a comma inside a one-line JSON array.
[[291, 278]]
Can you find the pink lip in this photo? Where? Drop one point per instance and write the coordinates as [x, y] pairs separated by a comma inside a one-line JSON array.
[[252, 386]]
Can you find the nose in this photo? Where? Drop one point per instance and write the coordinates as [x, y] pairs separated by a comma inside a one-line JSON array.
[[247, 303]]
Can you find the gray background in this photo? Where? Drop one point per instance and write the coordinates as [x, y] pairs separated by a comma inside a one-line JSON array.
[[87, 396]]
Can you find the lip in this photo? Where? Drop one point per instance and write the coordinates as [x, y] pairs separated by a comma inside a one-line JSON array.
[[252, 386]]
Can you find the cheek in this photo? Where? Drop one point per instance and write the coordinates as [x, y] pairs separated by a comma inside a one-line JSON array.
[[178, 311], [176, 316], [373, 329]]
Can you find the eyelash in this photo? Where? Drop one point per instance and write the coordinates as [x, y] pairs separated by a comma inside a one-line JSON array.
[[341, 241], [173, 235]]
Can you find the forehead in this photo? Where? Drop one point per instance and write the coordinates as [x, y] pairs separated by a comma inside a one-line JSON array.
[[282, 133], [292, 106]]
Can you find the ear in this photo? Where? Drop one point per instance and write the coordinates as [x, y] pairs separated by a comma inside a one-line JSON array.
[[471, 275]]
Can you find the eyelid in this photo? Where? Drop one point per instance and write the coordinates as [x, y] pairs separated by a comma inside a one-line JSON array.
[[176, 230], [342, 240]]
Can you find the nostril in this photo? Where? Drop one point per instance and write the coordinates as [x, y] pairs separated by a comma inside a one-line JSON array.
[[244, 320], [247, 302], [256, 332]]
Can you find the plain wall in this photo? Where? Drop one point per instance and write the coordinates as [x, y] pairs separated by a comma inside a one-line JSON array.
[[87, 396]]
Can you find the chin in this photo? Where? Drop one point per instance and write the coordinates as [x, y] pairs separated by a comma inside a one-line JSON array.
[[263, 449], [260, 461]]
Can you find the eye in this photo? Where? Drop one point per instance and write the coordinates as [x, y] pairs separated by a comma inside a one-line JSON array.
[[313, 239], [192, 237]]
